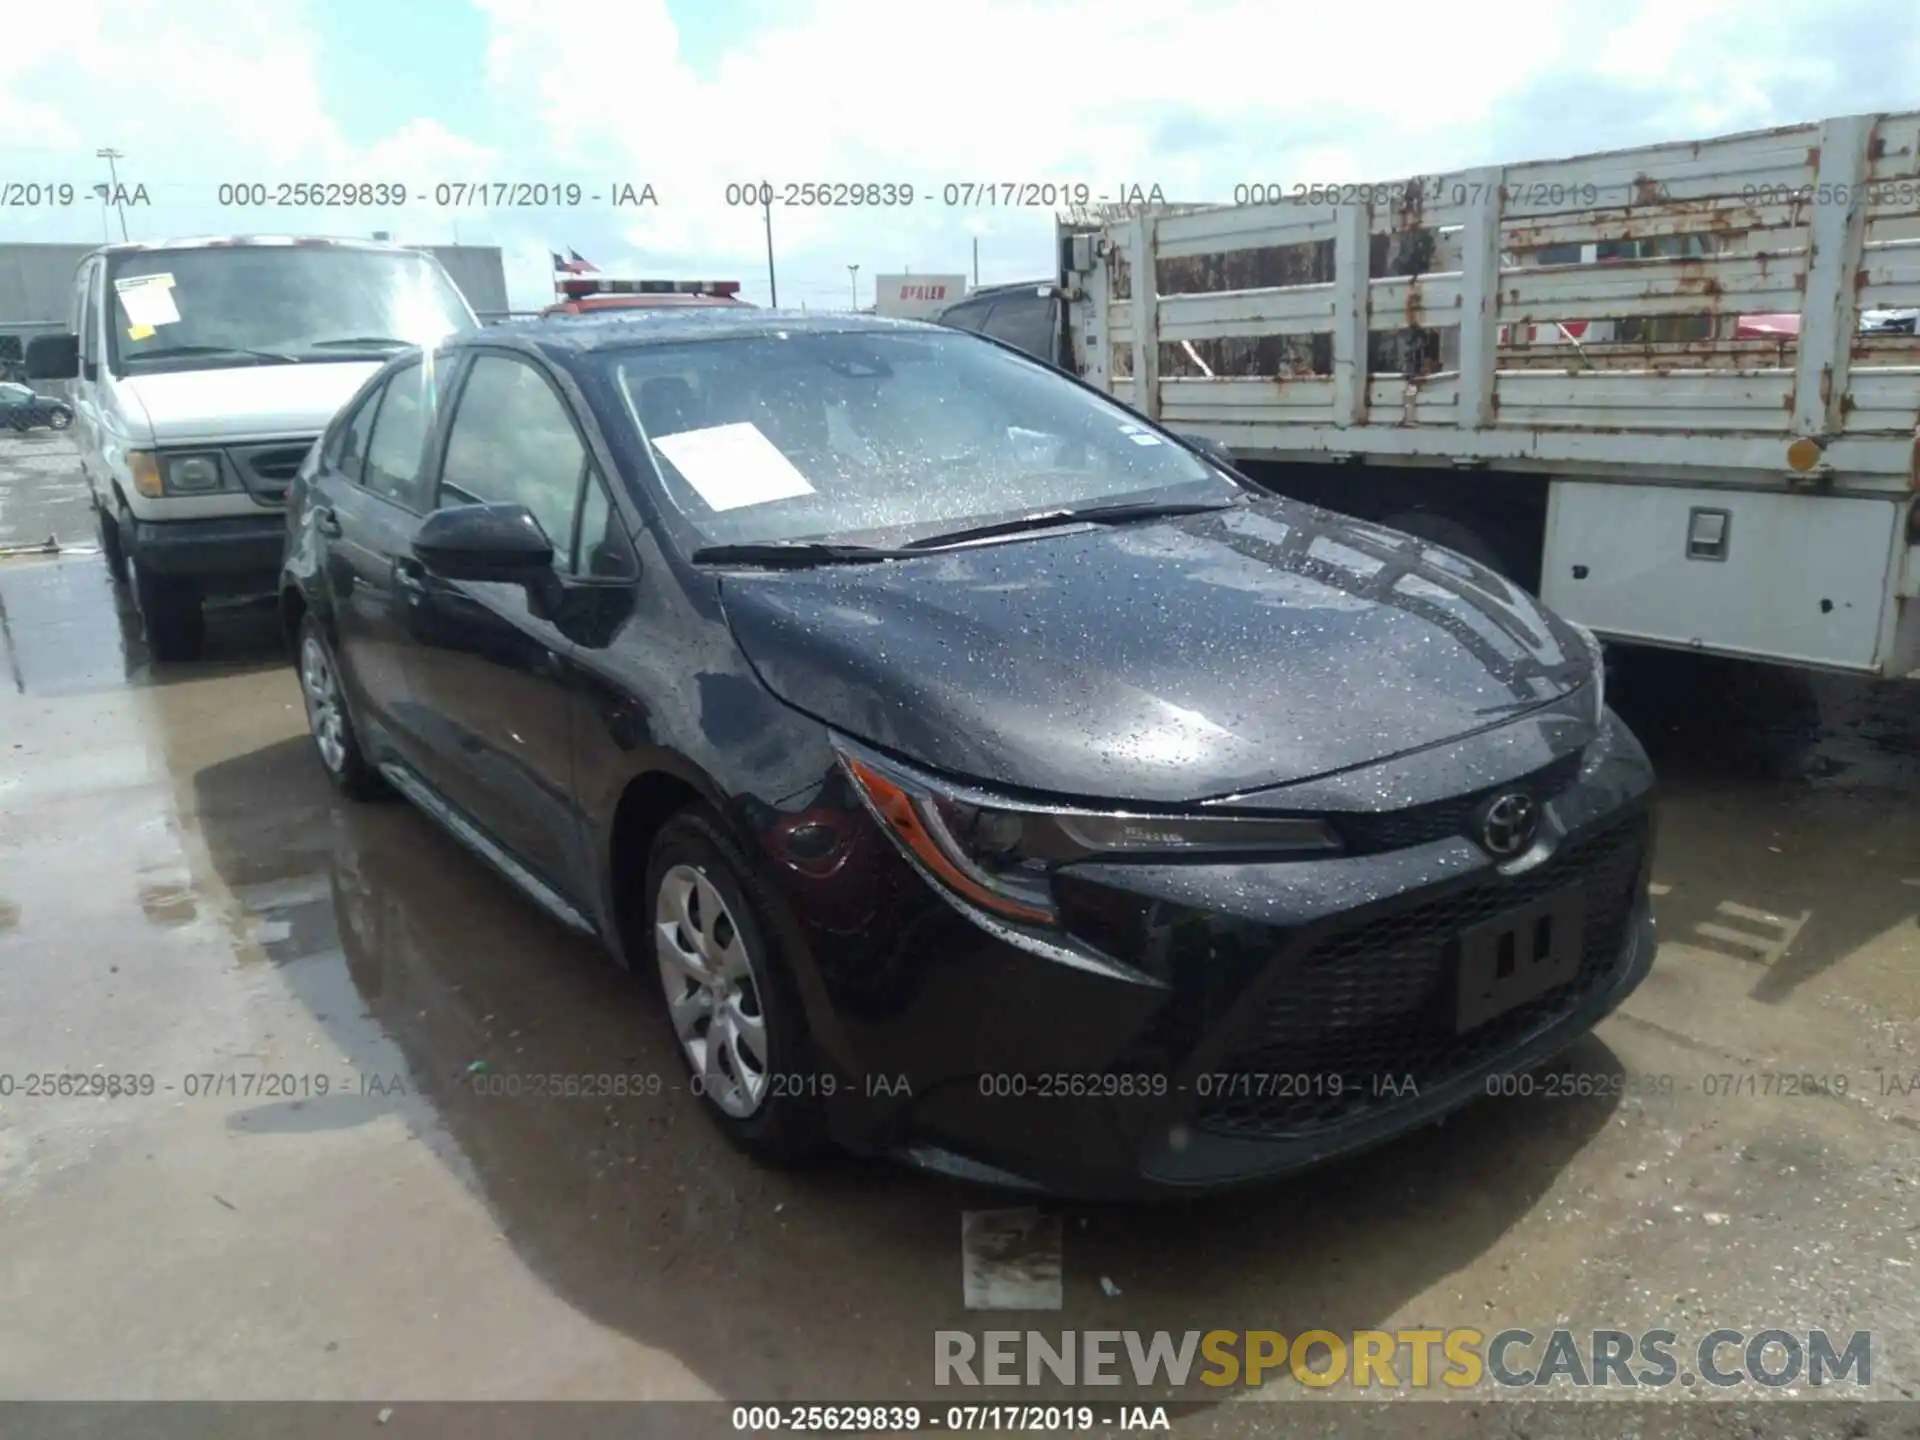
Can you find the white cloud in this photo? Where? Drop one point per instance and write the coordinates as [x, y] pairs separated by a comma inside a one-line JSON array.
[[1195, 98]]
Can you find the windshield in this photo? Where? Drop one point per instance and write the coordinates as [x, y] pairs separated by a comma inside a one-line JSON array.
[[252, 304], [881, 437]]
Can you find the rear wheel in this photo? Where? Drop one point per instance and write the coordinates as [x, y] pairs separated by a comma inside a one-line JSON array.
[[60, 420], [170, 609], [729, 994]]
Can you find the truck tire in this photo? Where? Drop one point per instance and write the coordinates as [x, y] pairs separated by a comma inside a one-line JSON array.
[[110, 546], [1454, 534], [170, 609]]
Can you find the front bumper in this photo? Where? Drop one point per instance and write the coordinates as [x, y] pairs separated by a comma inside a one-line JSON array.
[[1272, 1015], [235, 548]]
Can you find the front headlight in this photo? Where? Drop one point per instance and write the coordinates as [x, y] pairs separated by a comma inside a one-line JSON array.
[[1599, 680], [1000, 854], [155, 475], [192, 473]]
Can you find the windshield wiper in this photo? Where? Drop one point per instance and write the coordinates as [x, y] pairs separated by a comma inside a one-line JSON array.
[[168, 350], [793, 553], [1090, 514], [384, 341]]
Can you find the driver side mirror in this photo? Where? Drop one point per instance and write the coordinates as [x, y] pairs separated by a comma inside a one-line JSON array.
[[53, 357], [503, 544]]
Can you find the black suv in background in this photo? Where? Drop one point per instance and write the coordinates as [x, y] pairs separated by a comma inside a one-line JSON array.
[[1030, 317], [983, 774]]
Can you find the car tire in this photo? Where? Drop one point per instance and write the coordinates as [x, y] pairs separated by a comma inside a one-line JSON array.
[[170, 610], [59, 420], [110, 546], [716, 955], [335, 739]]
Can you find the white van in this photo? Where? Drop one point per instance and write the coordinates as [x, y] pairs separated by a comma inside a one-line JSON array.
[[200, 373]]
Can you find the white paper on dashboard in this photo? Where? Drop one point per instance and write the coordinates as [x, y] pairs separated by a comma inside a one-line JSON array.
[[733, 466], [148, 299]]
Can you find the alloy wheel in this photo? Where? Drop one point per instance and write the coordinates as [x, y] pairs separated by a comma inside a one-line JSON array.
[[321, 689], [713, 991]]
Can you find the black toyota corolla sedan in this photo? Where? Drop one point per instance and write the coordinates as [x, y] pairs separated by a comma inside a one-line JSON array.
[[989, 776]]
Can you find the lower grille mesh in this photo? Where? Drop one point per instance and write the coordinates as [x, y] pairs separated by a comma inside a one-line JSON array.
[[1378, 1000]]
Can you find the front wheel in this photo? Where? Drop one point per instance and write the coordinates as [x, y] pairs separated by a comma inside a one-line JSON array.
[[59, 420], [729, 994], [170, 609], [110, 545]]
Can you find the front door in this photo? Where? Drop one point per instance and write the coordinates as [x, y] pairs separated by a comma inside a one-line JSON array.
[[488, 673]]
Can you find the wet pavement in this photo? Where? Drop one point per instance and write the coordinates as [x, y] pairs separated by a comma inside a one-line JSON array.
[[185, 905]]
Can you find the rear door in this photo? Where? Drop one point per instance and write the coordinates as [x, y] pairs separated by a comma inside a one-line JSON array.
[[369, 491]]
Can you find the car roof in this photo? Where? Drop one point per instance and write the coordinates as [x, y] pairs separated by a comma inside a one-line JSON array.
[[671, 324], [216, 242]]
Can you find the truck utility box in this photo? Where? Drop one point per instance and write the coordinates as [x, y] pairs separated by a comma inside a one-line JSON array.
[[1644, 382]]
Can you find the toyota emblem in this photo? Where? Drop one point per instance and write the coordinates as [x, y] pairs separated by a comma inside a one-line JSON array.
[[1510, 825]]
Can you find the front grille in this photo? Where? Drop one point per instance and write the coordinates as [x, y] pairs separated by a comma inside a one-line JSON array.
[[1423, 824], [266, 470], [1378, 1000]]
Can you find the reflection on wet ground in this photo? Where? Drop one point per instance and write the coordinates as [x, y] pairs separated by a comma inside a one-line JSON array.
[[182, 897]]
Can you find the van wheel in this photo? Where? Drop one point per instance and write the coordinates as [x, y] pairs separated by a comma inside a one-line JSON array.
[[170, 609], [735, 1013], [109, 526]]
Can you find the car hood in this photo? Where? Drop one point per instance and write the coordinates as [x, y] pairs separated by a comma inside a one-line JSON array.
[[1159, 662], [245, 402]]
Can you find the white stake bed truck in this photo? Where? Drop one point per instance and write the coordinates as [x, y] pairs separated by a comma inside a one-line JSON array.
[[1637, 382]]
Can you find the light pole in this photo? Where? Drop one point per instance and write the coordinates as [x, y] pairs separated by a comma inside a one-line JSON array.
[[109, 154], [853, 284], [766, 210]]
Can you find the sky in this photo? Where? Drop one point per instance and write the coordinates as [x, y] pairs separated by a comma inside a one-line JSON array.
[[688, 96]]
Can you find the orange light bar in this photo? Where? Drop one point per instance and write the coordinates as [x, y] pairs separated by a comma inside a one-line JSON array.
[[896, 807]]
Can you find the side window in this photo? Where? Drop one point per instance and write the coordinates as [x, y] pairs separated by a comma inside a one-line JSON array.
[[601, 549], [1024, 321], [346, 453], [77, 322], [393, 453], [513, 443]]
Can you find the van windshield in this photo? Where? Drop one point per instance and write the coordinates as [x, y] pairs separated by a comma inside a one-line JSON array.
[[217, 306]]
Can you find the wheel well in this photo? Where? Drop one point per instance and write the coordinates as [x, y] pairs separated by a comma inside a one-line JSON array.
[[293, 610], [1508, 510], [648, 802]]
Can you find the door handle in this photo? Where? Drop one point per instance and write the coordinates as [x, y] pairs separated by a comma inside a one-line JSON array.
[[409, 577], [326, 522]]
